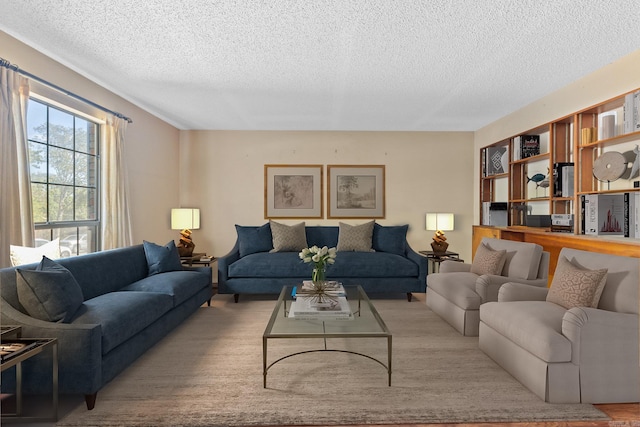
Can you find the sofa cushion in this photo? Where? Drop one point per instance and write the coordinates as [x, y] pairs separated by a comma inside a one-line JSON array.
[[254, 239], [348, 264], [288, 238], [356, 238], [573, 286], [488, 261], [21, 255], [121, 315], [457, 287], [50, 292], [522, 260], [392, 239], [161, 259], [181, 285], [535, 326]]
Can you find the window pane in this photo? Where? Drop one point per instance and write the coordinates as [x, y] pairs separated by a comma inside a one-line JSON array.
[[60, 203], [85, 136], [60, 128], [37, 121], [38, 160], [60, 166], [39, 201], [85, 204], [86, 170]]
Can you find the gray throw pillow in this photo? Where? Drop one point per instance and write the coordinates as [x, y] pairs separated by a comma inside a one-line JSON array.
[[288, 238], [356, 238], [488, 261], [161, 259], [50, 292]]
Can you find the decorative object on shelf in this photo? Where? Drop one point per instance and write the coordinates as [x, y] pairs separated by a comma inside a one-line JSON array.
[[185, 219], [635, 169], [540, 180], [609, 166], [440, 222], [320, 257]]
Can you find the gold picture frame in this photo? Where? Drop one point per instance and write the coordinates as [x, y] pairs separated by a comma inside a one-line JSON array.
[[293, 191], [356, 191]]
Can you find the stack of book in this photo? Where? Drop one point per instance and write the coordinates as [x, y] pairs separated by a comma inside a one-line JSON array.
[[307, 305]]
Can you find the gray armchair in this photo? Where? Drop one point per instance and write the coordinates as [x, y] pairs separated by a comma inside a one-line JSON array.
[[570, 355], [457, 291]]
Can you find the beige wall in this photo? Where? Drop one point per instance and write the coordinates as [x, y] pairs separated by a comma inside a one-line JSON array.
[[152, 145], [425, 172], [613, 80]]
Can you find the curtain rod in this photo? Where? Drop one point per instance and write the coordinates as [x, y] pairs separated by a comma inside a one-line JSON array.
[[7, 64]]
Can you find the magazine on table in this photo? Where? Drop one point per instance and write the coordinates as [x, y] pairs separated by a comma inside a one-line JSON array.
[[307, 309]]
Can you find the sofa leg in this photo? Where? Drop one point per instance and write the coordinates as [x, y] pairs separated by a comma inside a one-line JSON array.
[[409, 296], [236, 297], [90, 400]]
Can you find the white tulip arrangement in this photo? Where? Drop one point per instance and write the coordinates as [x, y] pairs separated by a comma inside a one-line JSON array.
[[320, 257]]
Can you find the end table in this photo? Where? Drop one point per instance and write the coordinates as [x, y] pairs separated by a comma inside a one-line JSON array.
[[436, 258]]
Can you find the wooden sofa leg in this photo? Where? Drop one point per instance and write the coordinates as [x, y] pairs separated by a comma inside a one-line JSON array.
[[236, 297], [90, 400], [409, 296]]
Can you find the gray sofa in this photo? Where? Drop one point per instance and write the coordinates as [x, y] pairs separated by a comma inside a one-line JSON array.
[[570, 353], [123, 312], [392, 266]]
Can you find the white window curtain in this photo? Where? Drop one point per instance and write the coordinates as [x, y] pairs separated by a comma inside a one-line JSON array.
[[116, 220], [16, 219]]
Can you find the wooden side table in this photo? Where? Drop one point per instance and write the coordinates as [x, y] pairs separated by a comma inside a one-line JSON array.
[[32, 347], [436, 258]]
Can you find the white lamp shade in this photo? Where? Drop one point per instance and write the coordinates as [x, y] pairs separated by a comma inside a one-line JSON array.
[[439, 221], [185, 218]]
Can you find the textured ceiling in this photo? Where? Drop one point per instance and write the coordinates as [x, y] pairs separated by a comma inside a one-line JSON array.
[[328, 65]]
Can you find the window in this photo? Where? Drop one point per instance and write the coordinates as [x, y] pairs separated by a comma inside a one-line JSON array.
[[63, 155]]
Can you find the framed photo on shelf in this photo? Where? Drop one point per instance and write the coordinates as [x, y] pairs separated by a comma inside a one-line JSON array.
[[355, 191], [293, 191]]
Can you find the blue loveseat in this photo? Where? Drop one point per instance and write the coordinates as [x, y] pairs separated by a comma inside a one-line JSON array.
[[252, 268], [123, 312]]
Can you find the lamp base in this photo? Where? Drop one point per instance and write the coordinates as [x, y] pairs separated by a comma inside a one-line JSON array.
[[439, 247]]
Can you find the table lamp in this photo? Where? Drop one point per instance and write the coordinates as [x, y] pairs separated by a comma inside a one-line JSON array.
[[440, 222], [185, 219]]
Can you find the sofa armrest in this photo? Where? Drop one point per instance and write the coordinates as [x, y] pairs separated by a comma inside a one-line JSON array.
[[423, 266], [513, 291], [223, 266], [449, 266], [79, 351], [488, 285]]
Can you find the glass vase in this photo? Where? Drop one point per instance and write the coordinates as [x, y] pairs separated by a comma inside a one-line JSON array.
[[319, 275]]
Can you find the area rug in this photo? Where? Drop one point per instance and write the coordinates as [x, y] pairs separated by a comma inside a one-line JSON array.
[[208, 372]]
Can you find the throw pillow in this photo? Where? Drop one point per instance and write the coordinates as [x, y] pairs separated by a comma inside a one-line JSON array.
[[357, 238], [573, 286], [288, 238], [50, 292], [161, 259], [390, 239], [254, 239], [21, 255], [488, 261]]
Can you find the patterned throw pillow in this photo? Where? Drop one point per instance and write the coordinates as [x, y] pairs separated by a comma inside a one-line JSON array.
[[356, 238], [573, 286], [488, 261], [288, 238]]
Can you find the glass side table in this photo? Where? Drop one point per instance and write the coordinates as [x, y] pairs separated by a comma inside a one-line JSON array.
[[436, 258]]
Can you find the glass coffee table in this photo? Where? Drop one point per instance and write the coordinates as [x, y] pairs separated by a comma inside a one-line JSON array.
[[365, 323]]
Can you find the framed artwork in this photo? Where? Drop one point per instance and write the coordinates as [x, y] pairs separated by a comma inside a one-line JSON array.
[[355, 191], [293, 191]]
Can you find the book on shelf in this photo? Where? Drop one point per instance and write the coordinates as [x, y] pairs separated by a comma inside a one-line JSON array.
[[529, 145], [631, 112], [306, 308], [604, 214], [632, 215]]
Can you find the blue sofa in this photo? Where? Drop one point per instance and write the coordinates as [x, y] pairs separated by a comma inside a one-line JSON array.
[[125, 312], [391, 267]]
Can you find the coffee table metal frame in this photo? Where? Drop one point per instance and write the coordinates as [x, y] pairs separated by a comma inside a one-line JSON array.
[[280, 326]]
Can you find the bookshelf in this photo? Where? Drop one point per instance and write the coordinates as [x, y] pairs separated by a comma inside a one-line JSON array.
[[577, 156]]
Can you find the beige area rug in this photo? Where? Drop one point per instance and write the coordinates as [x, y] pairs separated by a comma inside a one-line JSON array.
[[208, 372]]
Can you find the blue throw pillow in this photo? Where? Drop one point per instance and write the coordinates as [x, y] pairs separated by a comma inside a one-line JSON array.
[[50, 292], [254, 239], [390, 239], [161, 259]]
